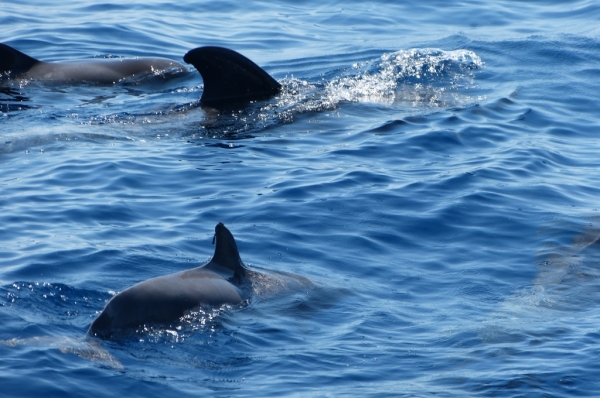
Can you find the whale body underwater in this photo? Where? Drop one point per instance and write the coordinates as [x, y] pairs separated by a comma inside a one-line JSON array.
[[230, 79], [167, 298]]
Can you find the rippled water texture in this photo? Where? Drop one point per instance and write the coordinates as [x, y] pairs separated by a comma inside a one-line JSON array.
[[419, 205]]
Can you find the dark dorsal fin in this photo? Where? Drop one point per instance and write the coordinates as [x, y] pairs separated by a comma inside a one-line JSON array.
[[230, 79], [226, 253], [14, 61]]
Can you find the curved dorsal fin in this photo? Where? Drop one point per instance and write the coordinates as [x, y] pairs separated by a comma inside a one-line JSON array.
[[226, 253], [230, 79], [14, 61]]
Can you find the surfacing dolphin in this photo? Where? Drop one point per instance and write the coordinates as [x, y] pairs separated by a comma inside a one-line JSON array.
[[166, 298], [230, 79], [16, 64]]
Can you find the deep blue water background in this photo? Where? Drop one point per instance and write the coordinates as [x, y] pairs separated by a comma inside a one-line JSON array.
[[431, 168]]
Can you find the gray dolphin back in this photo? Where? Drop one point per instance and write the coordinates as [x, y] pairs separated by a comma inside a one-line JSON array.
[[14, 61], [166, 298]]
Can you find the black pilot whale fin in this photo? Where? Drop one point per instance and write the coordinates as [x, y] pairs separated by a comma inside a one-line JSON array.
[[226, 254], [230, 79], [14, 61]]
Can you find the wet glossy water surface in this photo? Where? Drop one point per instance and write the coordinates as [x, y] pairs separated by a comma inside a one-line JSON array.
[[420, 203]]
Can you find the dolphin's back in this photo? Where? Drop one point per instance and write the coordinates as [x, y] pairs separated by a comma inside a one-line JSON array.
[[167, 298], [100, 71], [14, 63], [164, 299]]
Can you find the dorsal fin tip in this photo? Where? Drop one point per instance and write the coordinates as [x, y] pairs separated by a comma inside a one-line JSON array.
[[230, 79]]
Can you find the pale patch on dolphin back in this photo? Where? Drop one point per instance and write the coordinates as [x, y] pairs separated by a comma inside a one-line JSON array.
[[564, 259], [103, 71], [568, 281], [82, 347], [269, 283]]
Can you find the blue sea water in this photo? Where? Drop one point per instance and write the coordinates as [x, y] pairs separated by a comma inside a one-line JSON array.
[[430, 167]]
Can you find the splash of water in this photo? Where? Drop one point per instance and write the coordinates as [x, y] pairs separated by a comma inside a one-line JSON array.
[[417, 78]]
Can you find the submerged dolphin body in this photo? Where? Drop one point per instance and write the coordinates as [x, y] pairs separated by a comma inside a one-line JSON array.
[[92, 71], [230, 79], [166, 298]]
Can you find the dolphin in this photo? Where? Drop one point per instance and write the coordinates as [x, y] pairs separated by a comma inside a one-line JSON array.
[[230, 79], [166, 298], [14, 63]]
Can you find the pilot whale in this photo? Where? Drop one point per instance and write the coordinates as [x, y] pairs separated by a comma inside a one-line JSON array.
[[166, 298], [230, 79]]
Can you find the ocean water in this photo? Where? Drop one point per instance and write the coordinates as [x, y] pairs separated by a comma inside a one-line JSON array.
[[429, 172]]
